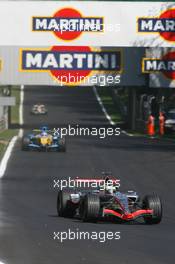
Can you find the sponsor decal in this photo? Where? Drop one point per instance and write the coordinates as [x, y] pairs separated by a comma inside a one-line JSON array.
[[164, 25], [70, 61], [67, 24], [165, 65]]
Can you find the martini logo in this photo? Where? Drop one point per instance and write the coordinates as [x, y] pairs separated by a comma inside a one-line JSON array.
[[166, 65], [68, 24], [78, 62], [164, 25]]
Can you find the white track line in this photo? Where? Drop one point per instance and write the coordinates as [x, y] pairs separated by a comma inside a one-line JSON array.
[[102, 106], [127, 134], [4, 161], [106, 113]]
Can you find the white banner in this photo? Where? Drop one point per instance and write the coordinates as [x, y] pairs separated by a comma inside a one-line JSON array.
[[102, 66], [87, 23]]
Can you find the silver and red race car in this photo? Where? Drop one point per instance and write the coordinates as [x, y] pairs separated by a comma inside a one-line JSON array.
[[110, 203]]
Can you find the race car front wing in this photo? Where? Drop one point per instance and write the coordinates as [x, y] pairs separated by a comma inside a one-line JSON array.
[[128, 216]]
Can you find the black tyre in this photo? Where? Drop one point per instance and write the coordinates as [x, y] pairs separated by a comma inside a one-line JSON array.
[[25, 143], [62, 144], [64, 206], [153, 202], [90, 208]]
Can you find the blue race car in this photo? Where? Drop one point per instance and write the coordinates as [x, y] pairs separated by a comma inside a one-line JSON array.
[[43, 139]]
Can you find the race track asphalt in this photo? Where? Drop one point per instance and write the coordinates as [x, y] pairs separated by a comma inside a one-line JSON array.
[[28, 216]]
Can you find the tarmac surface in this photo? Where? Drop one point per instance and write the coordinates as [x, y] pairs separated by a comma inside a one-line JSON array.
[[28, 216]]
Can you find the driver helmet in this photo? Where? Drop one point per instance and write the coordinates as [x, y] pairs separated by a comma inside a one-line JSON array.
[[110, 187]]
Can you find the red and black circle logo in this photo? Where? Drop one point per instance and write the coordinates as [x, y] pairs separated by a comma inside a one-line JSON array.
[[168, 19], [73, 32], [70, 73], [169, 60]]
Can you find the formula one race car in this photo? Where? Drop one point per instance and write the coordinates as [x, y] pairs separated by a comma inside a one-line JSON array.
[[43, 139], [39, 109], [108, 204]]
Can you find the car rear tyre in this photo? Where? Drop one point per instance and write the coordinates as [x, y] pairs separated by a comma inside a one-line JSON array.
[[153, 202], [90, 208], [64, 206], [25, 143], [62, 144]]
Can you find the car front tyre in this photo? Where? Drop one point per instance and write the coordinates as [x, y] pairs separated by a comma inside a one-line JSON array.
[[90, 208], [153, 202]]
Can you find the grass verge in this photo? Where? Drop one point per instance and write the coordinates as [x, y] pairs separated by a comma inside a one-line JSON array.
[[8, 134], [15, 109], [108, 103]]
